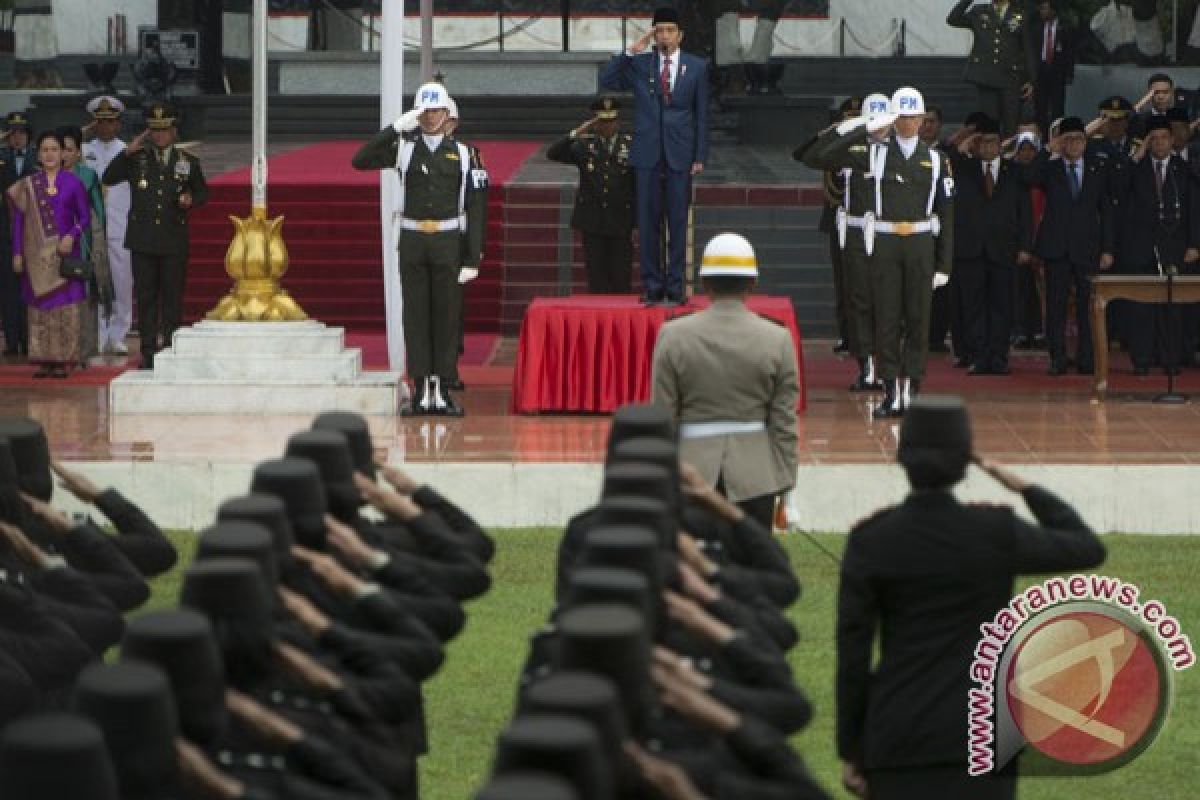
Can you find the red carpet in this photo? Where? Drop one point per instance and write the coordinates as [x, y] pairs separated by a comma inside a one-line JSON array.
[[477, 349], [333, 235], [20, 376]]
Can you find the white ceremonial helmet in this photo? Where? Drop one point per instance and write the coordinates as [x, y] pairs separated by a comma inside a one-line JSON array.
[[728, 255], [431, 95], [875, 105], [908, 102]]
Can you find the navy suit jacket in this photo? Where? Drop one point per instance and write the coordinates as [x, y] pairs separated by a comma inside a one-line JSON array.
[[684, 121], [1075, 229]]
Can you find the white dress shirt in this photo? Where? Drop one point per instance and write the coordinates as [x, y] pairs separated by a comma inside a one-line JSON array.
[[98, 155], [908, 146]]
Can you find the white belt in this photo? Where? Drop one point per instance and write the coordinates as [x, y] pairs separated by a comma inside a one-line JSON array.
[[907, 228], [702, 430], [431, 225]]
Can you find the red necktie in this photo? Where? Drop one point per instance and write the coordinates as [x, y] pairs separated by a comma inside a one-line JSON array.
[[1048, 54], [665, 80]]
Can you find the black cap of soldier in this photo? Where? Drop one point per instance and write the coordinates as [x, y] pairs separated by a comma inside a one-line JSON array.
[[647, 512], [606, 106], [249, 540], [1071, 125], [330, 451], [587, 696], [132, 705], [987, 125], [647, 450], [630, 547], [665, 14], [16, 121], [266, 510], [565, 746], [640, 420], [358, 435], [31, 452], [610, 585], [227, 589], [527, 786], [936, 436], [1115, 106], [612, 641], [181, 644], [55, 757], [634, 479], [297, 482]]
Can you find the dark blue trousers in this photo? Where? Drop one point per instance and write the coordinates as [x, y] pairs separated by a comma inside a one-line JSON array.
[[651, 193]]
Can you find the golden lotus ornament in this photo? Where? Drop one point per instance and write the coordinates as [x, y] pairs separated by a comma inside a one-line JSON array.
[[257, 260]]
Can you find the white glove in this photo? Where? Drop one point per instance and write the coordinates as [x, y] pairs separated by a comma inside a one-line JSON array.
[[407, 121], [468, 274], [940, 279], [851, 125], [880, 122]]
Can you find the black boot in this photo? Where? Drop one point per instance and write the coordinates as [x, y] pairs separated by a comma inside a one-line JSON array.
[[890, 407], [866, 377], [773, 72], [420, 401], [755, 79], [443, 401]]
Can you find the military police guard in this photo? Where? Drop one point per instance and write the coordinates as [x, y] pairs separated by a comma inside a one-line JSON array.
[[166, 183], [98, 154], [443, 203], [604, 201], [908, 233]]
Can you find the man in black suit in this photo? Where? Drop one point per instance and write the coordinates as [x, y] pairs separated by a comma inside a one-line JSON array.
[[1054, 43], [1076, 236], [1160, 98], [992, 236], [17, 159], [930, 571], [1159, 231]]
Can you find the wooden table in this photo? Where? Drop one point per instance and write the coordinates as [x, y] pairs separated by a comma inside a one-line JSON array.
[[1140, 288]]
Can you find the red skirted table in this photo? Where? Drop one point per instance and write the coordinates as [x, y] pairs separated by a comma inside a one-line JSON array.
[[593, 353]]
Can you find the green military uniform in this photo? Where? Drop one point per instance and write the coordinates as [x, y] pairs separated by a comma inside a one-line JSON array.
[[604, 208], [157, 232], [434, 241], [1002, 58], [857, 199], [903, 196]]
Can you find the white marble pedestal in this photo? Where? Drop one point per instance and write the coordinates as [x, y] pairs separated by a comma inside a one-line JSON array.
[[256, 368]]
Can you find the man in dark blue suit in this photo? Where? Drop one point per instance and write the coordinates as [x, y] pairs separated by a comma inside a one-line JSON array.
[[670, 144], [1076, 237]]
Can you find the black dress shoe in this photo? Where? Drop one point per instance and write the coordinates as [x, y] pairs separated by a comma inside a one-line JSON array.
[[449, 407], [961, 363], [999, 369], [1085, 369], [938, 347], [1141, 372], [1057, 368], [978, 369], [1022, 342], [651, 298], [841, 346], [672, 300]]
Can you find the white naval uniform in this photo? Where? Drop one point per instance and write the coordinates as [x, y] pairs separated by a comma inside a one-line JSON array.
[[98, 155]]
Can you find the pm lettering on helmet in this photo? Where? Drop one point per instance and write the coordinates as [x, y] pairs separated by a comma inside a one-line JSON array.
[[908, 103], [430, 96]]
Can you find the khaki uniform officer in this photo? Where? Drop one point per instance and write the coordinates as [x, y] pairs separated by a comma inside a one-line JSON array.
[[909, 234], [729, 378], [166, 183], [443, 204]]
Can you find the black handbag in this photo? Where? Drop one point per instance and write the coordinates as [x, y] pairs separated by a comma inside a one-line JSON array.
[[74, 268]]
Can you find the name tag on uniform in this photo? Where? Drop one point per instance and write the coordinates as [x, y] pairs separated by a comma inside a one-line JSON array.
[[452, 156], [927, 164], [183, 167]]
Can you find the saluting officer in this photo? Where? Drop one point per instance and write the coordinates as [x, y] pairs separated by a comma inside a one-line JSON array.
[[909, 234], [1110, 137], [604, 201], [1002, 63], [857, 200], [443, 202], [166, 183]]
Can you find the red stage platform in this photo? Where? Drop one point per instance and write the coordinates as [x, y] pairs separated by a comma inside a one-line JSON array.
[[592, 353]]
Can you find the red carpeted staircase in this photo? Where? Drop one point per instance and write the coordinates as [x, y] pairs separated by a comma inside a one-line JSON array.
[[332, 230]]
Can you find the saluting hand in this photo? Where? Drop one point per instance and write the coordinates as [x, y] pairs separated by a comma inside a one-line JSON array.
[[642, 43], [138, 142], [76, 483], [1006, 478]]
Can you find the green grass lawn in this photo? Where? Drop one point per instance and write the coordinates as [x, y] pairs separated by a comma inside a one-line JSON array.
[[471, 699]]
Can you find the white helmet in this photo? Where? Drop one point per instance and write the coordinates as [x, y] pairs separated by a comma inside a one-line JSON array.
[[431, 95], [908, 102], [728, 255], [875, 105]]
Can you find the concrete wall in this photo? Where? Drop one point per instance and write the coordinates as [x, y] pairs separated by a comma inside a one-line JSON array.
[[1126, 498], [83, 27]]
